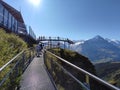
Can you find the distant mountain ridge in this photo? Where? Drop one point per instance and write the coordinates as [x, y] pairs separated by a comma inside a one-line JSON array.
[[98, 49], [114, 42]]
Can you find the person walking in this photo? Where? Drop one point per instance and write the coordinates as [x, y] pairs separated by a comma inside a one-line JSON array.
[[38, 49]]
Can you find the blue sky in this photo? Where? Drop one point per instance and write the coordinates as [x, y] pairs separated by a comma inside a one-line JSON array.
[[74, 19]]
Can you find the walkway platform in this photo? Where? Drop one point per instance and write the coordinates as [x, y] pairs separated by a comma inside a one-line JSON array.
[[36, 77]]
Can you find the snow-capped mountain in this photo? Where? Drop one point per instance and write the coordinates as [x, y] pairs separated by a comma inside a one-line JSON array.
[[98, 49], [77, 45], [114, 42]]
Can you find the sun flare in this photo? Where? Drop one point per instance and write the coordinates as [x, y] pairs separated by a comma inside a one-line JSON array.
[[35, 2]]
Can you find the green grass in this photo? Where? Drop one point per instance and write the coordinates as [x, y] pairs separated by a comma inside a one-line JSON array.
[[75, 58], [62, 80], [10, 45]]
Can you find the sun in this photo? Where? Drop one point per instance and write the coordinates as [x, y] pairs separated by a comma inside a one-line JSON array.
[[35, 2]]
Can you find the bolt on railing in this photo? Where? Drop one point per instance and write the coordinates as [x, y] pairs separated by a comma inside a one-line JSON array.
[[67, 80], [11, 72]]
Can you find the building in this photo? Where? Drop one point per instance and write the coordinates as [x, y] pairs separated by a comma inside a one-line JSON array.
[[11, 19]]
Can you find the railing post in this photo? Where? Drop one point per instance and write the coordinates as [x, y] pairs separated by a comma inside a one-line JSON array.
[[12, 79], [23, 61], [51, 65], [30, 57], [44, 57], [87, 81], [33, 53], [16, 70]]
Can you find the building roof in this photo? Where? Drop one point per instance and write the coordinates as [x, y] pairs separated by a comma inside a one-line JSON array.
[[17, 15]]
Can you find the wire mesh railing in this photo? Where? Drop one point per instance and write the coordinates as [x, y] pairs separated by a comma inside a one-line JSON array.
[[10, 73], [73, 78]]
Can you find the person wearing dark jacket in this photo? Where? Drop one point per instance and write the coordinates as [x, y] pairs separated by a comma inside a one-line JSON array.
[[38, 49]]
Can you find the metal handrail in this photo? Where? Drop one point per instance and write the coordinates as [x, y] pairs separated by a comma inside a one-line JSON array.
[[52, 38], [85, 72], [17, 65], [72, 76], [4, 66]]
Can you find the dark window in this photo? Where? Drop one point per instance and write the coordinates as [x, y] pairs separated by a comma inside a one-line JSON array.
[[1, 14], [9, 21], [15, 26], [5, 17], [22, 28]]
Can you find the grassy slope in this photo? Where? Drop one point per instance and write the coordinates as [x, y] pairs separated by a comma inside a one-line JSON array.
[[109, 72], [76, 59], [61, 79], [10, 45]]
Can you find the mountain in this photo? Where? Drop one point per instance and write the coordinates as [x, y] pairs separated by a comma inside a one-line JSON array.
[[77, 45], [114, 42], [104, 53], [98, 49]]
